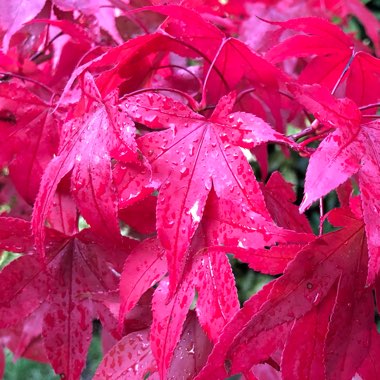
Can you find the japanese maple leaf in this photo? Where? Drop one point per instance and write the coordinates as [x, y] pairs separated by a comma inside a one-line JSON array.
[[94, 132], [14, 14], [24, 339], [279, 198], [29, 138], [209, 273], [188, 158], [335, 54], [229, 63], [75, 268], [131, 357], [356, 8], [336, 262], [351, 148]]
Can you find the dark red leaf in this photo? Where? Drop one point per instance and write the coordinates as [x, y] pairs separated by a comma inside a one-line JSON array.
[[131, 357], [191, 353]]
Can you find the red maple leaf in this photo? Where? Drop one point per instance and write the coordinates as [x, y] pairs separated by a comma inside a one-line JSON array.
[[189, 157], [29, 138], [336, 262], [351, 148], [94, 132], [337, 59], [76, 267]]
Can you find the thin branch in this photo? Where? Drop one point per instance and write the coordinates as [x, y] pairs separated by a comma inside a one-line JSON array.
[[36, 55]]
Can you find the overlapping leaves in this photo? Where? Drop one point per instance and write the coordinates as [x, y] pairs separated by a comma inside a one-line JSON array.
[[152, 138]]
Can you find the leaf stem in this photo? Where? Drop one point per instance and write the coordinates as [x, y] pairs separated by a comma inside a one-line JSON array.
[[192, 102], [344, 72], [181, 68], [217, 54], [21, 77], [47, 45], [243, 93], [373, 105]]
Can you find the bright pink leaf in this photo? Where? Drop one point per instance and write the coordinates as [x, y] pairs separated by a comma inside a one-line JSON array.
[[28, 137], [88, 143], [186, 145], [217, 299], [143, 268], [338, 256], [168, 320], [350, 149], [76, 268], [335, 52]]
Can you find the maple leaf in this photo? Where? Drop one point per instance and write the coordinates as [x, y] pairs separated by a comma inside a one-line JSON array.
[[208, 272], [14, 14], [141, 216], [144, 267], [28, 137], [358, 9], [337, 260], [338, 61], [276, 191], [350, 149], [76, 267], [204, 153], [24, 339], [96, 132], [192, 350], [131, 357]]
